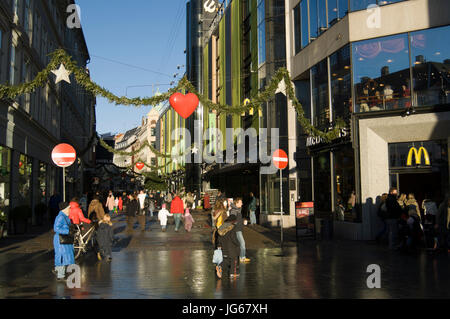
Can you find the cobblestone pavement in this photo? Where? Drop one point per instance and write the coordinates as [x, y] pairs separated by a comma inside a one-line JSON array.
[[154, 264]]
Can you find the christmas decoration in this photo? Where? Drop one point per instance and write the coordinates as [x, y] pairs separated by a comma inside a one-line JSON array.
[[140, 165], [61, 74], [184, 105]]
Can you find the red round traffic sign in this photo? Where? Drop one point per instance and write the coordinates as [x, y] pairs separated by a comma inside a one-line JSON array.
[[280, 159], [64, 155]]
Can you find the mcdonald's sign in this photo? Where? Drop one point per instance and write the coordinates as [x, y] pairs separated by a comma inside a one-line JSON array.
[[418, 156]]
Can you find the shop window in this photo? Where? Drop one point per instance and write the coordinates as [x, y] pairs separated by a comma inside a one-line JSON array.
[[381, 74], [42, 183], [25, 169], [344, 185], [322, 184], [319, 77], [5, 177], [431, 66]]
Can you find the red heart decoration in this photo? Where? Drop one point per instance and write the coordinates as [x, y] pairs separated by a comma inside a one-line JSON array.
[[20, 164], [184, 105], [140, 165]]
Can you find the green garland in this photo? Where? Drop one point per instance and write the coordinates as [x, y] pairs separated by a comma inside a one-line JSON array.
[[82, 77]]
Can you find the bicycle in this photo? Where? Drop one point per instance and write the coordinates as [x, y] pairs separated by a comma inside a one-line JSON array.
[[81, 241]]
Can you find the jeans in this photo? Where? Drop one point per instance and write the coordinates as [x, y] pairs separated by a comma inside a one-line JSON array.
[[393, 232], [177, 218], [241, 240], [60, 271], [252, 217]]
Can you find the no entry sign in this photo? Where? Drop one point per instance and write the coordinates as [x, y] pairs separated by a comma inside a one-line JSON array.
[[280, 159], [64, 155]]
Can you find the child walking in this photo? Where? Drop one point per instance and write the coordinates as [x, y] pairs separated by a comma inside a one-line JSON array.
[[230, 247], [162, 216], [188, 219], [105, 238]]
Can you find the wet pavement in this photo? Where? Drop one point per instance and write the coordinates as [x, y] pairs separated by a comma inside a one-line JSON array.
[[172, 265]]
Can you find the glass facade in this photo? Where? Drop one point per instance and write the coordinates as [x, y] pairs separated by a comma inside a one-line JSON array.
[[340, 77], [430, 57], [319, 81], [261, 31], [5, 178], [356, 5], [322, 183], [381, 74]]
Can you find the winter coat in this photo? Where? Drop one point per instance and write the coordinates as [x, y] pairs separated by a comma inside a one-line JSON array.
[[133, 208], [141, 198], [252, 205], [105, 235], [188, 220], [394, 211], [110, 202], [63, 253], [162, 216], [120, 204], [443, 215], [237, 212], [177, 206], [228, 240], [97, 207], [76, 214], [429, 207], [206, 202]]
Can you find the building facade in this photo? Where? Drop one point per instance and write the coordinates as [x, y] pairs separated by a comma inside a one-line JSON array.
[[32, 124], [383, 68]]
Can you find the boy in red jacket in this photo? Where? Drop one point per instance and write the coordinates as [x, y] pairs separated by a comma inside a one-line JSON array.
[[177, 208], [76, 215]]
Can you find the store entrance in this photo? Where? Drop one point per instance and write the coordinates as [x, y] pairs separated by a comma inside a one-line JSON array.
[[421, 184]]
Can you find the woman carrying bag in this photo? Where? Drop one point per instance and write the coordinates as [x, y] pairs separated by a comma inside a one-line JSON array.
[[63, 241]]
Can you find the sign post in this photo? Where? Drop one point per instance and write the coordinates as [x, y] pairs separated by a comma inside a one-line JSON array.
[[64, 155], [280, 160]]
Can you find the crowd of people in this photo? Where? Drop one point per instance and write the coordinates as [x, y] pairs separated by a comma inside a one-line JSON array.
[[409, 226], [96, 211]]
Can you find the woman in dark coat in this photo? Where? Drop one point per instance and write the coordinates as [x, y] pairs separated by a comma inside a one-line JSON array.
[[64, 255], [105, 237], [132, 211]]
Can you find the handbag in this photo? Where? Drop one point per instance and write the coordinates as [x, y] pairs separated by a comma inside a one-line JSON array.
[[69, 238], [217, 257]]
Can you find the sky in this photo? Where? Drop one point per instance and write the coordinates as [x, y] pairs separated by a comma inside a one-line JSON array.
[[132, 43]]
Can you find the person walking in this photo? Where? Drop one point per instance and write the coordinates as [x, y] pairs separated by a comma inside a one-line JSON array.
[[120, 204], [443, 224], [132, 212], [110, 202], [382, 214], [252, 209], [64, 255], [394, 212], [188, 219], [177, 209], [163, 214], [206, 202], [168, 200], [151, 205], [402, 200], [105, 237], [236, 208], [230, 246], [95, 210], [430, 209]]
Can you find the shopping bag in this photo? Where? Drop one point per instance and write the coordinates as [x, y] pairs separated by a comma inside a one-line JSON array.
[[217, 257]]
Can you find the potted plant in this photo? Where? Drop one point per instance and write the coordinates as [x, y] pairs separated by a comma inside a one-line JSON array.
[[20, 216], [3, 222]]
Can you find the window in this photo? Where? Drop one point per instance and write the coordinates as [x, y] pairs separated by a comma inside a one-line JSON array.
[[322, 16], [297, 29], [340, 76], [313, 20], [361, 4], [304, 22], [344, 185], [332, 12], [261, 32], [430, 56], [319, 77], [322, 183], [342, 8], [27, 17], [13, 67], [381, 73]]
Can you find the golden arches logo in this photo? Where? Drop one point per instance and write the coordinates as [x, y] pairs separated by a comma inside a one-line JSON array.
[[418, 156]]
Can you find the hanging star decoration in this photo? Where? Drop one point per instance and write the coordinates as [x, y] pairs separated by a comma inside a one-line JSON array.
[[194, 149], [61, 74], [281, 87]]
